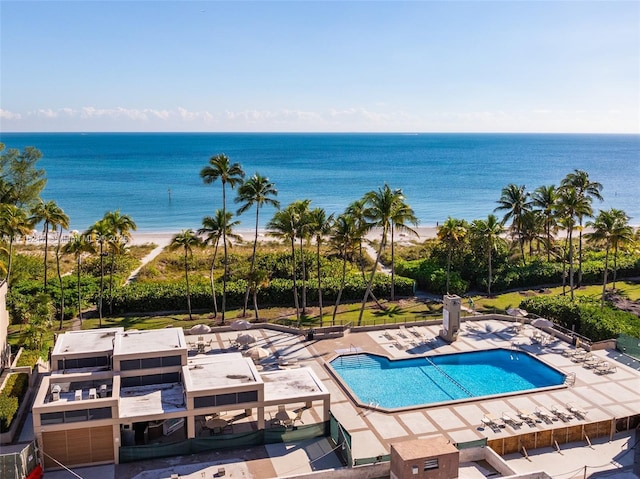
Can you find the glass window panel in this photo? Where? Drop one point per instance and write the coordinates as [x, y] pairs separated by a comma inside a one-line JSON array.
[[248, 396], [52, 418], [171, 361], [224, 399], [100, 413], [75, 416], [148, 363]]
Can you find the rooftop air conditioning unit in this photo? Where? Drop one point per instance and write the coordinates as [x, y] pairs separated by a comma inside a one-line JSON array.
[[55, 392], [102, 391]]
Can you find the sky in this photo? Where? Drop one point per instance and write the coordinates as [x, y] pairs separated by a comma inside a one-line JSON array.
[[320, 66]]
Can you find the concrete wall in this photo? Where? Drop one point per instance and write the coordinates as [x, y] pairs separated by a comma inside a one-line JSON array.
[[373, 471], [5, 352]]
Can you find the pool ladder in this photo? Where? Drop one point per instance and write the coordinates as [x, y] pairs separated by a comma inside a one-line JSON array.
[[448, 377]]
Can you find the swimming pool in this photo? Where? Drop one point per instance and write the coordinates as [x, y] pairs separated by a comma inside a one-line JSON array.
[[432, 379]]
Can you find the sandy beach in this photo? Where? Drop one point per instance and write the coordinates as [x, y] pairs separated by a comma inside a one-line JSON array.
[[164, 238]]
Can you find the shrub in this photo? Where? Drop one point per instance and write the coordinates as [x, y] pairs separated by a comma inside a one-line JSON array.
[[585, 316], [10, 398]]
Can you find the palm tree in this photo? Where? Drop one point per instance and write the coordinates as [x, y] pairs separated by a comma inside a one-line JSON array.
[[345, 237], [381, 206], [401, 216], [603, 228], [452, 233], [587, 190], [358, 211], [212, 229], [488, 233], [571, 206], [221, 168], [533, 229], [514, 200], [99, 234], [117, 247], [187, 240], [255, 279], [622, 235], [301, 223], [319, 227], [13, 224], [122, 225], [258, 191], [77, 245], [545, 199], [52, 216], [282, 226]]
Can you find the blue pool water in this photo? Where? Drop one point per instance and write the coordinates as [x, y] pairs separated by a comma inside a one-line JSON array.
[[412, 382]]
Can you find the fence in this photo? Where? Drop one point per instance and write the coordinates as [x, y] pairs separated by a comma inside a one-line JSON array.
[[628, 345], [222, 441], [20, 464]]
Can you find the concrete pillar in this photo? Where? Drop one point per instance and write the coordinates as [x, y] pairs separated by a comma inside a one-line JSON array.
[[450, 317]]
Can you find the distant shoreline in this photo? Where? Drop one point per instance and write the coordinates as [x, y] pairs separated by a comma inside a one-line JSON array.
[[163, 238]]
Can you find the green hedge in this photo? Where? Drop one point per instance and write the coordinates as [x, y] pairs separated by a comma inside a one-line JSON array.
[[169, 296], [585, 316], [432, 277], [10, 398]]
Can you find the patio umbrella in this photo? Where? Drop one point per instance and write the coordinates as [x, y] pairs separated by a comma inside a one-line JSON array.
[[200, 329], [240, 325], [517, 312], [542, 323], [245, 339], [256, 353]]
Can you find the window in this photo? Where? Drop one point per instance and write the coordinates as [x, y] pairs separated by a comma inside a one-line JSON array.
[[75, 416], [150, 363], [248, 396], [430, 464], [204, 401], [52, 418], [224, 399], [99, 413]]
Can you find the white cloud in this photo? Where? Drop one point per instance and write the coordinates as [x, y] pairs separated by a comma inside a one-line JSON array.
[[8, 115]]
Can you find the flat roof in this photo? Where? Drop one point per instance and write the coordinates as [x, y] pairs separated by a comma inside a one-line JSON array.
[[149, 341], [218, 371], [86, 341], [140, 401], [284, 385]]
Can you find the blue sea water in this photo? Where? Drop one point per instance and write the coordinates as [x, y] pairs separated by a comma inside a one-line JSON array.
[[154, 177]]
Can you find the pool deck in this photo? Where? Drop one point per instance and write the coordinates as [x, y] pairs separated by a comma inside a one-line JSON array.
[[601, 396]]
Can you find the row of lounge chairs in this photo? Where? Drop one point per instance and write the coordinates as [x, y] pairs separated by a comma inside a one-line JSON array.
[[590, 361], [540, 415], [407, 337]]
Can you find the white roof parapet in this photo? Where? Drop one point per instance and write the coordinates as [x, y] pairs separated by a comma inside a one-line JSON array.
[[85, 341], [132, 343]]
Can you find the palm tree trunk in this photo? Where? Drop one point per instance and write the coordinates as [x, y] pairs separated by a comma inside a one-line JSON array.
[[606, 269], [342, 281], [253, 262], [490, 273], [226, 257], [101, 283], [304, 278], [10, 261], [255, 303], [364, 276], [46, 251], [370, 282], [79, 259], [393, 269], [113, 265], [571, 285], [449, 268], [580, 255], [212, 281], [186, 277], [319, 277], [60, 278], [548, 228], [295, 284], [615, 264]]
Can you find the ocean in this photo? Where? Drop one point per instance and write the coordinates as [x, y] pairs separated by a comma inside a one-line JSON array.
[[154, 177]]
